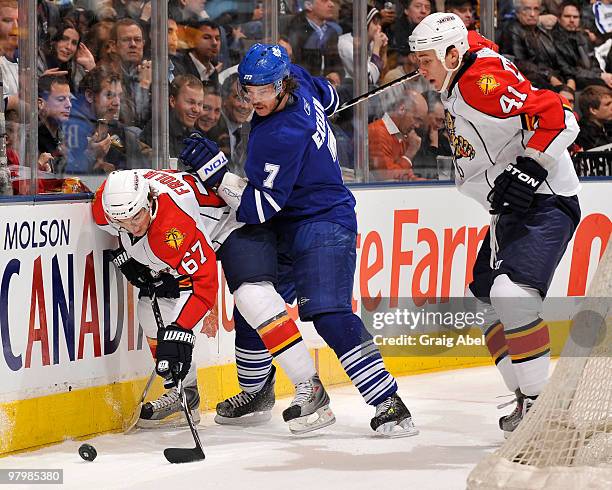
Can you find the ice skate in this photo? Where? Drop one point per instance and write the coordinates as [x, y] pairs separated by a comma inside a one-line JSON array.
[[166, 411], [393, 419], [508, 423], [248, 408], [309, 409]]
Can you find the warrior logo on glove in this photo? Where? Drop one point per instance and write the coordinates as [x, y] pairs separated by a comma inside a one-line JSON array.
[[174, 352]]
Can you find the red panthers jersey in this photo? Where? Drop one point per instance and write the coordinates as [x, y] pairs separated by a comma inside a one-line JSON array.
[[493, 115], [190, 223]]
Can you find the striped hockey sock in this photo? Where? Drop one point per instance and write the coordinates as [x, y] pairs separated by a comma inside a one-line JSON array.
[[253, 360], [365, 366], [529, 348], [359, 356], [253, 368], [284, 341], [498, 347]]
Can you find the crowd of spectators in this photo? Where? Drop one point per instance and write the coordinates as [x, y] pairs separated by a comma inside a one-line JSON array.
[[95, 75]]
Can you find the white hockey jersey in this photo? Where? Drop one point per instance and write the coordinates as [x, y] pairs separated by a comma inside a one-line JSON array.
[[190, 223], [493, 115]]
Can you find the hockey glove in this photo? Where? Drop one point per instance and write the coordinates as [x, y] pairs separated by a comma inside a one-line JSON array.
[[174, 351], [164, 285], [205, 158], [137, 274], [515, 188]]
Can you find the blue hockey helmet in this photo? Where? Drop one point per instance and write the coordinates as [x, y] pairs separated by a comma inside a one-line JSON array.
[[264, 64]]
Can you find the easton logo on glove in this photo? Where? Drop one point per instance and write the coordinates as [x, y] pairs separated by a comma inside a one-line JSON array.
[[514, 189], [179, 336], [528, 179], [213, 165]]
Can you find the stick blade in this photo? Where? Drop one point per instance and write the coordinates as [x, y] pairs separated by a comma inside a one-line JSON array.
[[177, 455], [130, 426]]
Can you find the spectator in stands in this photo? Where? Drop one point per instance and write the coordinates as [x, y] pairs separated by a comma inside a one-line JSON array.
[[407, 63], [211, 111], [9, 32], [173, 39], [172, 48], [414, 11], [201, 60], [232, 131], [464, 9], [65, 55], [187, 11], [434, 140], [531, 45], [595, 103], [388, 15], [570, 94], [127, 42], [54, 105], [284, 42], [133, 9], [392, 140], [314, 41], [82, 19], [96, 141], [377, 48], [13, 138], [98, 41], [186, 98], [576, 55]]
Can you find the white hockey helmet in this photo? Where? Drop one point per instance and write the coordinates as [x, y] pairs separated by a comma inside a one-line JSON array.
[[439, 32], [125, 193]]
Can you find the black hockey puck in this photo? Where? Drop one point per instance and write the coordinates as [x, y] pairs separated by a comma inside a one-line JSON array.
[[87, 452]]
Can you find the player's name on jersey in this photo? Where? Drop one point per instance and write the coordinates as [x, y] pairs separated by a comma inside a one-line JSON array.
[[426, 340]]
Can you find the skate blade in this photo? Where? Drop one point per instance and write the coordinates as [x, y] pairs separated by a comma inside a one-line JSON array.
[[174, 421], [255, 418], [404, 428], [323, 417]]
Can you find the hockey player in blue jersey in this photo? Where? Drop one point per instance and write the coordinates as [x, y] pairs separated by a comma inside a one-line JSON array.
[[295, 187]]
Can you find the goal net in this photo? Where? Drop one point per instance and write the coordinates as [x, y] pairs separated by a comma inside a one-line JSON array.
[[565, 441]]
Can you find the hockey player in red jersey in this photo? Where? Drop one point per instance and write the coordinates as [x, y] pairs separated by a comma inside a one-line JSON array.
[[164, 250], [169, 227], [510, 144]]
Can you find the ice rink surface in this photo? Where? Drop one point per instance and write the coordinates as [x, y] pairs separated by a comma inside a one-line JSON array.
[[454, 410]]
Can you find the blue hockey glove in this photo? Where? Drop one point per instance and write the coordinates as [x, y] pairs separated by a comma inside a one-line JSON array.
[[515, 188], [205, 158]]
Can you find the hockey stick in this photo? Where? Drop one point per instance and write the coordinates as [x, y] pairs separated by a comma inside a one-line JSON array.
[[377, 90], [186, 455], [177, 454], [136, 413]]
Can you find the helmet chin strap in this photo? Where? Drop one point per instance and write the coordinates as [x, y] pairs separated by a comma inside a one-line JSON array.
[[449, 73], [279, 96], [279, 99], [153, 208]]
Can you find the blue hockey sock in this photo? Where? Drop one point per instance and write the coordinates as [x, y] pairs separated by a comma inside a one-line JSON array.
[[359, 356], [253, 360]]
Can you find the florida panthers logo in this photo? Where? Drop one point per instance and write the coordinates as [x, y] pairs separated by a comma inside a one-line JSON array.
[[487, 84], [174, 238], [462, 148]]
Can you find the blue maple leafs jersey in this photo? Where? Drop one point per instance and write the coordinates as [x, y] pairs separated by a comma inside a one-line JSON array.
[[292, 163]]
